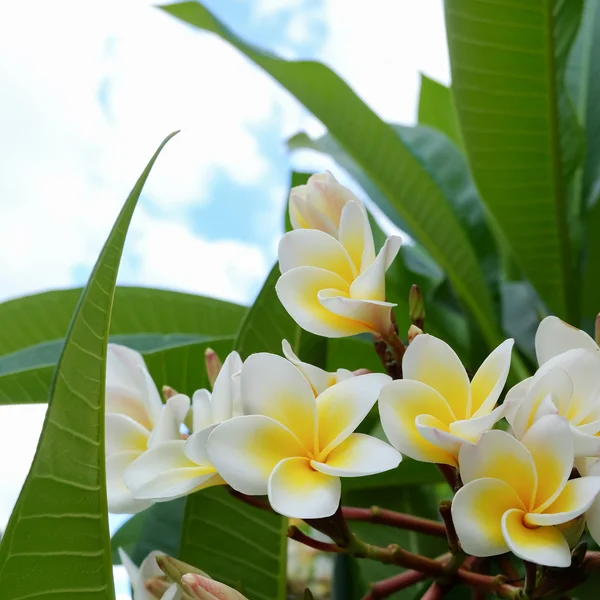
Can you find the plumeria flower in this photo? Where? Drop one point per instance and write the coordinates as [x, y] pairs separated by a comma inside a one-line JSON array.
[[567, 383], [319, 379], [148, 581], [517, 494], [591, 467], [179, 467], [435, 409], [293, 446], [136, 419], [332, 283]]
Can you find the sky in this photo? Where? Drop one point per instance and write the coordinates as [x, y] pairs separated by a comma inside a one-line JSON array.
[[89, 89]]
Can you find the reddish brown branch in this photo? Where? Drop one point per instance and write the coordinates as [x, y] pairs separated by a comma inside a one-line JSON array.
[[295, 534], [382, 516], [387, 587], [435, 592], [256, 501]]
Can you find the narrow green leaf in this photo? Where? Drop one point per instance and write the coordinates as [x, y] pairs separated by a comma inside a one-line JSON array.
[[436, 109], [523, 143], [56, 545], [385, 158]]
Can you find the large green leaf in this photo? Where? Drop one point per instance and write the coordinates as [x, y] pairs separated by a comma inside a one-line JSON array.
[[389, 162], [522, 139], [56, 545]]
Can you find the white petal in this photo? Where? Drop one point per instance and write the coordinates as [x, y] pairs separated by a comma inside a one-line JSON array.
[[304, 215], [359, 455], [370, 285], [120, 497], [477, 511], [438, 434], [400, 403], [274, 387], [489, 381], [554, 337], [124, 434], [551, 445], [369, 315], [502, 457], [195, 446], [169, 422], [431, 361], [178, 483], [201, 410], [298, 291], [319, 379], [131, 568], [297, 491], [543, 546], [472, 429], [356, 236], [172, 593], [342, 407], [312, 248], [149, 567], [576, 497], [514, 398], [584, 443], [245, 450], [225, 389]]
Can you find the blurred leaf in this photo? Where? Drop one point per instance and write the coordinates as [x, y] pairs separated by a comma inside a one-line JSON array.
[[436, 109], [390, 163], [56, 544], [346, 581], [520, 132], [127, 535]]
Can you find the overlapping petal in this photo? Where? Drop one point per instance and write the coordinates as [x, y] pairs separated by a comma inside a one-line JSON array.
[[124, 434], [168, 424], [225, 390], [356, 236], [319, 379], [471, 429], [120, 497], [554, 337]]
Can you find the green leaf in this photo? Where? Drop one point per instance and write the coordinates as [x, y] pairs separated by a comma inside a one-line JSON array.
[[242, 546], [436, 109], [522, 139], [389, 162], [56, 545]]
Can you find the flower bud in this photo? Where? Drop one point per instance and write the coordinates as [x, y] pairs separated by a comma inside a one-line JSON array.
[[175, 569], [213, 365], [157, 586], [416, 309], [203, 588], [413, 332], [168, 392]]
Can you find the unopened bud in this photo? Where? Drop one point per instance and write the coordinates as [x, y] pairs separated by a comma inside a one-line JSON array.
[[213, 365], [413, 332], [168, 392], [175, 569], [308, 595], [204, 588], [361, 372], [597, 331], [416, 308], [157, 586]]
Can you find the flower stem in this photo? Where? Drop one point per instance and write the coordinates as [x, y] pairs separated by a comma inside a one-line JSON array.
[[434, 592], [530, 578], [446, 514], [387, 587], [295, 534]]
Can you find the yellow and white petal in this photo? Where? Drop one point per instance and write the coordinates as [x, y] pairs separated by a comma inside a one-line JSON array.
[[437, 433], [472, 429], [370, 285], [342, 407], [123, 434], [543, 545], [431, 361], [359, 455], [343, 374], [555, 385], [550, 443], [328, 196], [303, 215], [400, 403], [515, 396], [313, 248], [298, 491], [576, 497], [272, 386], [369, 315], [245, 450], [201, 410], [178, 483], [553, 337], [168, 425], [120, 497], [356, 236], [319, 379], [489, 381], [298, 291], [225, 388], [477, 511], [500, 456], [586, 444], [195, 446]]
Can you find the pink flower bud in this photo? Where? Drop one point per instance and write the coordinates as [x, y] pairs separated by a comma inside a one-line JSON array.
[[213, 365], [203, 588]]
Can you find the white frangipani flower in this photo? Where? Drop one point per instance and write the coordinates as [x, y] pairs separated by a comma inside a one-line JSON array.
[[435, 409], [136, 419], [567, 383], [179, 467], [146, 572], [516, 493], [319, 379], [332, 283], [293, 446], [591, 467]]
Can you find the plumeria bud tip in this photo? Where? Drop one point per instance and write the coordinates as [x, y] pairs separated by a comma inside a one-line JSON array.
[[168, 392], [413, 332], [416, 308], [204, 588], [175, 569], [156, 586], [213, 365]]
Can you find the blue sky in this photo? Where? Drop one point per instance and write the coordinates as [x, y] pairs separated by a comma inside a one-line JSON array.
[[89, 89]]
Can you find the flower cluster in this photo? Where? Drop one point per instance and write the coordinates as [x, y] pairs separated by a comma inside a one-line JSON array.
[[276, 426]]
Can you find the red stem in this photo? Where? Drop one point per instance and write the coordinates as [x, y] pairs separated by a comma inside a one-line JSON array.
[[435, 592], [295, 534], [387, 587], [383, 516]]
